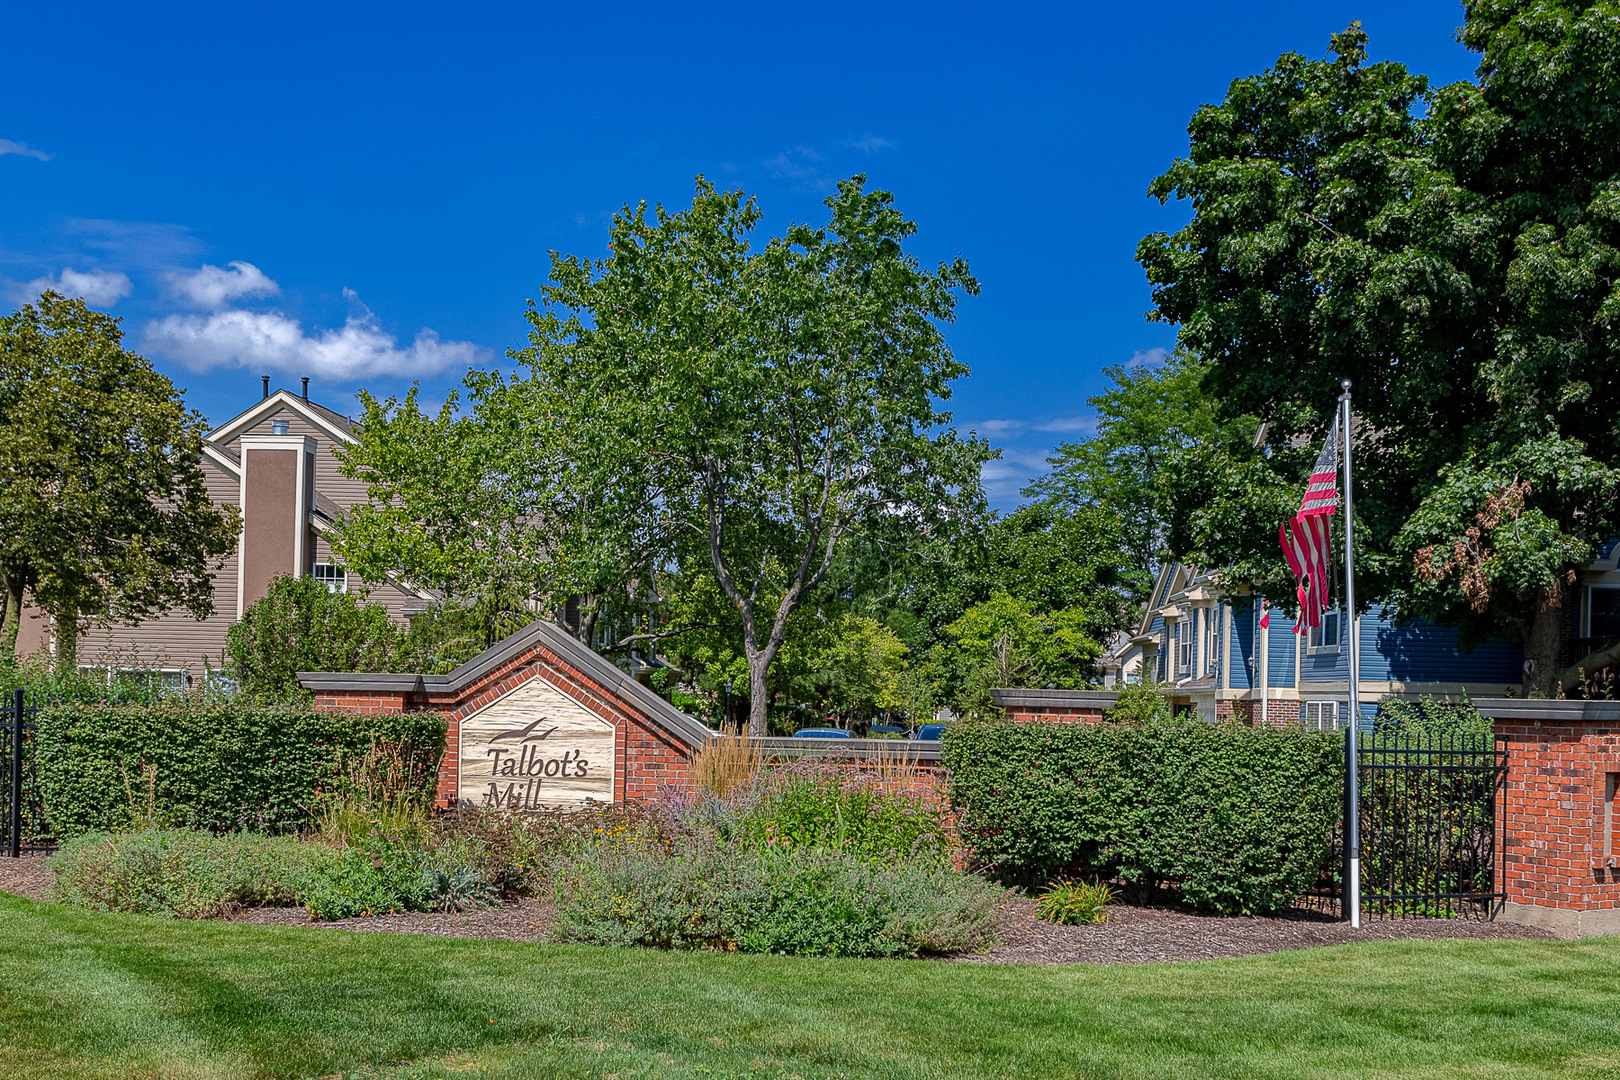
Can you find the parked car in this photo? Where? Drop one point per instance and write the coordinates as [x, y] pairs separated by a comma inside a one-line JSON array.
[[821, 733]]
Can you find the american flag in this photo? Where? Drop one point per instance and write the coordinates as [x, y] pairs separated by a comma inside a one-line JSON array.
[[1305, 536]]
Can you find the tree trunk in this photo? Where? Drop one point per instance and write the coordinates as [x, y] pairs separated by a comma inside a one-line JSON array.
[[1541, 643], [759, 663], [11, 620]]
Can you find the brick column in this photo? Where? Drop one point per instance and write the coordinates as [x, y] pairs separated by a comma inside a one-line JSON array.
[[1560, 827]]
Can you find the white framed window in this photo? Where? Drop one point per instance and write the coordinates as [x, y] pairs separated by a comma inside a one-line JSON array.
[[1325, 638], [333, 576], [1184, 645], [168, 680], [1321, 715]]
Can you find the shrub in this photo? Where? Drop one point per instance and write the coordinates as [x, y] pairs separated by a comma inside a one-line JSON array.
[[1238, 818], [217, 765], [184, 873], [381, 877], [518, 853], [1140, 703], [854, 809], [818, 902], [300, 625], [1071, 903]]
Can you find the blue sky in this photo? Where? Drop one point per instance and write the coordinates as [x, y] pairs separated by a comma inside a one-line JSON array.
[[368, 196]]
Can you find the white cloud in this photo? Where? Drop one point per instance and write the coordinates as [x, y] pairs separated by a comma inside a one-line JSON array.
[[1005, 478], [98, 288], [991, 429], [799, 163], [7, 146], [871, 144], [1069, 425], [1147, 358], [213, 287], [360, 349]]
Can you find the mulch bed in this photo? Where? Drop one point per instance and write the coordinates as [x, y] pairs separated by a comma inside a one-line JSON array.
[[1146, 935], [1132, 935]]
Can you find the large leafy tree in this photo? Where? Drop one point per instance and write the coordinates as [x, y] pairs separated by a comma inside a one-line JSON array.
[[779, 400], [104, 514], [496, 503], [1451, 252]]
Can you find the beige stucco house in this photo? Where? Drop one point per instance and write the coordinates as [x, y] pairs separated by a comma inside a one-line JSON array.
[[276, 462]]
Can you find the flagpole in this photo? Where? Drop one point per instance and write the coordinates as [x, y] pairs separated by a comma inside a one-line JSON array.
[[1352, 837]]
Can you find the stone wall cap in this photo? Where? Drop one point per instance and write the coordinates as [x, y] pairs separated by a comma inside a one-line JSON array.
[[924, 751], [1548, 710], [1055, 699]]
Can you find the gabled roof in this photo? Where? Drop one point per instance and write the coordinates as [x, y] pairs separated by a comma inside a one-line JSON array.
[[540, 633], [340, 428]]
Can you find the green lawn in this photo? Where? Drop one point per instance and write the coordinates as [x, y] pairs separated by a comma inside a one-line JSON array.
[[90, 995]]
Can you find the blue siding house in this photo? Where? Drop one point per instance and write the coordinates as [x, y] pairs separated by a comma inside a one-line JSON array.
[[1210, 654]]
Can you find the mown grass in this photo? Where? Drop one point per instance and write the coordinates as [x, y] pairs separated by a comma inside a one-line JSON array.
[[84, 994]]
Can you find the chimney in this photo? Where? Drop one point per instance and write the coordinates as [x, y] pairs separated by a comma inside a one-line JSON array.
[[306, 389], [266, 379]]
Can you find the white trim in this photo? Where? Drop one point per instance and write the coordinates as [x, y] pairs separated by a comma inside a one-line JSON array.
[[1226, 646], [218, 457], [281, 399]]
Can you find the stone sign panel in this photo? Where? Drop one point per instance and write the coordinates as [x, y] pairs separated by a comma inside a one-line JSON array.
[[536, 748]]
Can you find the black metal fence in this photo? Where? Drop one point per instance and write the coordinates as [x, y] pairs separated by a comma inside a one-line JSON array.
[[22, 816], [1430, 809]]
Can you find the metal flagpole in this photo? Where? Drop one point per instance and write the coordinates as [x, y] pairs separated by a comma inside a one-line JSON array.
[[1352, 823]]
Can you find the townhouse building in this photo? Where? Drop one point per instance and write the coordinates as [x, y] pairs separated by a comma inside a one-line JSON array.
[[277, 462]]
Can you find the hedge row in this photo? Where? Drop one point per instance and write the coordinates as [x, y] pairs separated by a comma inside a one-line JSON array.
[[219, 766], [1239, 819]]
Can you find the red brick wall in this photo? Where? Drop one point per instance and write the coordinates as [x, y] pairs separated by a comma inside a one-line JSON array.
[[1052, 714], [1554, 813]]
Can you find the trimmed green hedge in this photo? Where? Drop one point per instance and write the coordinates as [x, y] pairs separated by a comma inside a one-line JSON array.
[[1238, 818], [220, 766]]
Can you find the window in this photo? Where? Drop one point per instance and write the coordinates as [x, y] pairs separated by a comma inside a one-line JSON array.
[[333, 576], [167, 680], [278, 427], [1602, 612], [1325, 638], [1322, 715], [1184, 645]]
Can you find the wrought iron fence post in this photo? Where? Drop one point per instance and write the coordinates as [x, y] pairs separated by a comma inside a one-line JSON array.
[[14, 811]]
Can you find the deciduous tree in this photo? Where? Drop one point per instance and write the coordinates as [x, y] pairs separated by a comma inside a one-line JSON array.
[[778, 400], [104, 513], [1453, 253]]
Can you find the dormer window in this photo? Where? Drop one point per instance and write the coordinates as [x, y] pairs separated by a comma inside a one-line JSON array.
[[278, 426]]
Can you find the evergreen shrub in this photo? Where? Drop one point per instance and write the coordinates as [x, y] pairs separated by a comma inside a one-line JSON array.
[[219, 765], [1239, 819]]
